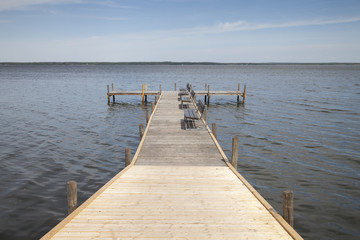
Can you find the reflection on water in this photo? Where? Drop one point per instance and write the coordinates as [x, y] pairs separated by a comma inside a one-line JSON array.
[[299, 130]]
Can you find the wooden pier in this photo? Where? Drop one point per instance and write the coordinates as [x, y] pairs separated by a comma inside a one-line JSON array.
[[207, 93], [179, 185]]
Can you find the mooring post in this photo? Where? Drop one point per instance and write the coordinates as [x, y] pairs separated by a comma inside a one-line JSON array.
[[235, 150], [141, 131], [208, 95], [71, 196], [288, 207], [238, 96], [127, 156], [152, 107], [175, 87], [205, 94], [204, 113], [155, 100], [112, 89], [214, 130], [147, 117], [145, 91], [244, 93], [142, 93], [160, 88], [108, 96]]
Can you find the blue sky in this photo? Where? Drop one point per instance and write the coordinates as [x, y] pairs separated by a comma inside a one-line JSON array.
[[180, 30]]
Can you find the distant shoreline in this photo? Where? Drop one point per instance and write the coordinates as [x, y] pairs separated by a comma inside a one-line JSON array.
[[172, 63]]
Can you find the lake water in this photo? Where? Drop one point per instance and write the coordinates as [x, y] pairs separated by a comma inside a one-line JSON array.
[[299, 130]]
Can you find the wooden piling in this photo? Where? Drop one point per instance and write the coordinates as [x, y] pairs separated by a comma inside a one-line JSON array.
[[152, 107], [145, 91], [238, 96], [147, 117], [244, 93], [155, 100], [108, 96], [208, 95], [205, 95], [112, 89], [235, 150], [214, 130], [127, 156], [204, 113], [142, 93], [141, 131], [71, 196], [288, 207], [160, 88], [175, 87]]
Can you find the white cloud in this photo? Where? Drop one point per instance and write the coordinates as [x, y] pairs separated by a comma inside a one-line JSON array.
[[244, 26]]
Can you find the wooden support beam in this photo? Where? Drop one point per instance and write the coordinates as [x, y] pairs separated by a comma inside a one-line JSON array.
[[156, 98], [288, 207], [147, 117], [244, 94], [235, 150], [238, 96], [142, 94], [127, 156], [152, 107], [141, 131], [205, 95], [112, 89], [214, 130], [71, 196], [204, 113], [208, 95], [108, 96]]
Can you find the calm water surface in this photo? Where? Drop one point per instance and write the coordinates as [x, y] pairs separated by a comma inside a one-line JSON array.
[[299, 130]]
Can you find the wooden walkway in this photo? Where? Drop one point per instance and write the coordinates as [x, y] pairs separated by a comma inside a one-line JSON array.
[[178, 186]]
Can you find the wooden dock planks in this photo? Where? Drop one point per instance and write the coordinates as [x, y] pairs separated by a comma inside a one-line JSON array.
[[177, 187]]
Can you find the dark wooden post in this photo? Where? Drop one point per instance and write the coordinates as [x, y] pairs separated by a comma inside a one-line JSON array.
[[205, 94], [288, 207], [238, 96], [155, 100], [142, 94], [112, 89], [141, 131], [108, 96], [146, 98], [160, 88], [235, 150], [214, 130], [175, 87], [244, 93], [208, 95], [127, 156], [204, 113], [152, 107], [71, 196], [147, 117]]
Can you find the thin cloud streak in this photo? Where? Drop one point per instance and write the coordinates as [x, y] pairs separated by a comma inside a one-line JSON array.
[[244, 26]]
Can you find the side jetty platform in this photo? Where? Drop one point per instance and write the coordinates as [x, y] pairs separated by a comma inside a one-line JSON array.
[[178, 185]]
